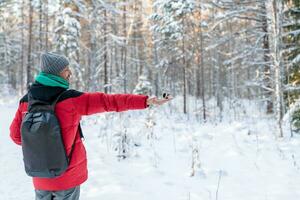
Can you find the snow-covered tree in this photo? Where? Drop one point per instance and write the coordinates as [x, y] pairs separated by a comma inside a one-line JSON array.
[[143, 87], [10, 46], [213, 54], [291, 54], [170, 23], [122, 140], [276, 16], [195, 158], [67, 34], [243, 25]]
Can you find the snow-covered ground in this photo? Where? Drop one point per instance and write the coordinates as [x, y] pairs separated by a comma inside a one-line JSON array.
[[238, 160]]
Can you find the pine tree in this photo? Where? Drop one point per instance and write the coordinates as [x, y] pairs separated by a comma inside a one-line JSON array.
[[171, 21], [67, 35], [291, 54], [10, 48], [143, 87]]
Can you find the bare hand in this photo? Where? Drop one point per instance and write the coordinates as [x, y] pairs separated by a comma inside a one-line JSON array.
[[156, 101]]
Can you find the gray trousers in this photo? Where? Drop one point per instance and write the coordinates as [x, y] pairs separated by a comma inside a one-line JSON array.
[[70, 194]]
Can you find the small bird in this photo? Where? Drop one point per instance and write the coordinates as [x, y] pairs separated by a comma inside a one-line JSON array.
[[166, 95]]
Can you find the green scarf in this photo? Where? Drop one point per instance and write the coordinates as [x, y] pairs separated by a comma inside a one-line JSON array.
[[52, 80]]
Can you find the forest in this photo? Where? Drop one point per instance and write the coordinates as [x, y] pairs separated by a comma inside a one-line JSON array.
[[232, 130], [210, 54]]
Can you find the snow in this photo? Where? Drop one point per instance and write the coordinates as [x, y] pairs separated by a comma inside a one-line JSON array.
[[294, 33], [244, 157], [296, 59]]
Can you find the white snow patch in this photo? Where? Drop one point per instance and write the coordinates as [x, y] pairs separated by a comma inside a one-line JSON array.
[[247, 164]]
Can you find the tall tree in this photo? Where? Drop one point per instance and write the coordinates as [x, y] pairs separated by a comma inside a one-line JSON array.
[[170, 21], [67, 34], [276, 14], [29, 50]]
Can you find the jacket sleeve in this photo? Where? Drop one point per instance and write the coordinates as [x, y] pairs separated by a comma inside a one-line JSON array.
[[91, 103], [15, 133]]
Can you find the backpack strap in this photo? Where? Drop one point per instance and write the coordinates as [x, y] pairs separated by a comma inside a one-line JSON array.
[[81, 137], [79, 127], [54, 103], [57, 98], [80, 132], [36, 105]]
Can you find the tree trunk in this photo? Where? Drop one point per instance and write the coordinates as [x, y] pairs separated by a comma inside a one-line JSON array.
[[29, 77], [202, 69], [277, 34], [21, 71], [184, 63], [105, 51], [40, 26], [46, 24], [124, 49], [267, 69]]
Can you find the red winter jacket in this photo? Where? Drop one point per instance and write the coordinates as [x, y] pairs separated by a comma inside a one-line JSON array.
[[69, 109]]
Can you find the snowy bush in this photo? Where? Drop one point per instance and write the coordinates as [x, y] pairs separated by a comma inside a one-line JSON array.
[[143, 87]]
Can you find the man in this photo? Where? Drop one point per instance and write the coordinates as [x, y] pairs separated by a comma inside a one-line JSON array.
[[71, 106]]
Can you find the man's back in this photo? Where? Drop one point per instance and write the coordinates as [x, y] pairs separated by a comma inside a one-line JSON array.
[[69, 109], [54, 79]]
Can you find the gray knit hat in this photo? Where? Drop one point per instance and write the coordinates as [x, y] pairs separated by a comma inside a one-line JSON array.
[[53, 63]]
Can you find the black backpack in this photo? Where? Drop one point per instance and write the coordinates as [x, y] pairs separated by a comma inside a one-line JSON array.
[[44, 153]]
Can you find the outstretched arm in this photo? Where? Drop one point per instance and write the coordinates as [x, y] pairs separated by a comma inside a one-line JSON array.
[[96, 102], [156, 101], [15, 133]]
